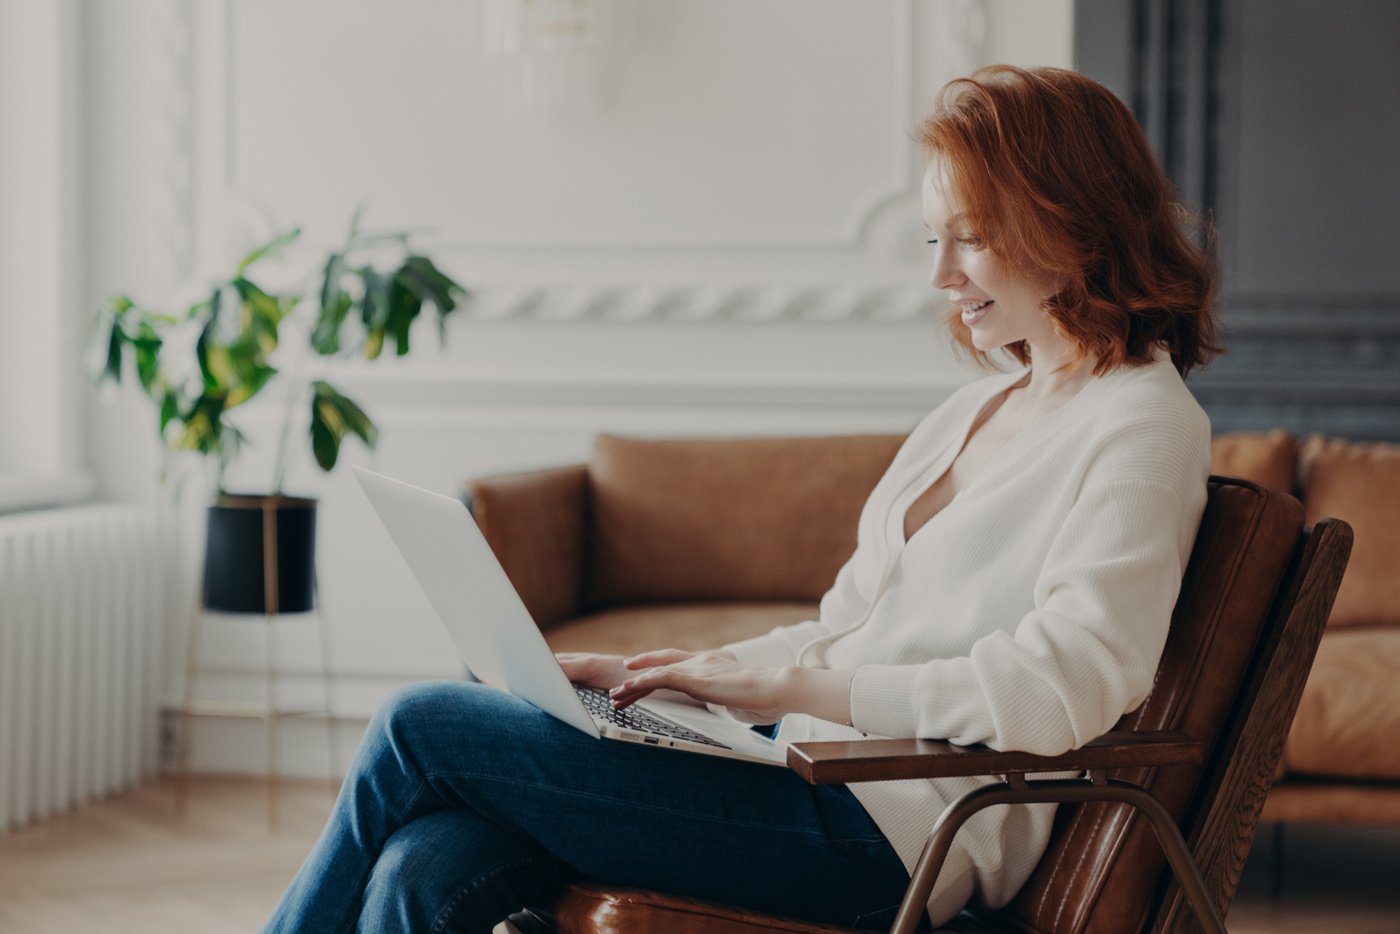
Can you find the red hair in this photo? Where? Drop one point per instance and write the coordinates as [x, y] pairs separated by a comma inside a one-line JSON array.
[[1056, 177]]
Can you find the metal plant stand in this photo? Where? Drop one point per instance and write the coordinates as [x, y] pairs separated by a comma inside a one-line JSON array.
[[271, 712]]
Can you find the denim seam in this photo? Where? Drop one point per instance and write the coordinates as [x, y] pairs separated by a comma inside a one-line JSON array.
[[450, 908]]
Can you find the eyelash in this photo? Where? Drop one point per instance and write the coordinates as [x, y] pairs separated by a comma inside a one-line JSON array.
[[965, 241]]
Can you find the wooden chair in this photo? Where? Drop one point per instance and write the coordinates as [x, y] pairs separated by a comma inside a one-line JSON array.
[[1190, 767]]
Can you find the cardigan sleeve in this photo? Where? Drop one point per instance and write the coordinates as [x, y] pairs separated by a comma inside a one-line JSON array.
[[1089, 649]]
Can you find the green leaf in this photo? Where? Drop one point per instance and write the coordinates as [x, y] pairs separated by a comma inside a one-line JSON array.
[[147, 345], [355, 419], [261, 314], [374, 344], [222, 369], [325, 338], [112, 368], [404, 306], [169, 408], [267, 249], [375, 308], [324, 444], [251, 384], [330, 279], [206, 339], [109, 320], [333, 416], [335, 307], [431, 284], [203, 426]]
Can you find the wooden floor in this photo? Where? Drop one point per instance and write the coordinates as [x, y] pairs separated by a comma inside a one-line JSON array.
[[128, 864]]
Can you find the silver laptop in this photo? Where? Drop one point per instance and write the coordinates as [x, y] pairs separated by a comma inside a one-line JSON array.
[[502, 646]]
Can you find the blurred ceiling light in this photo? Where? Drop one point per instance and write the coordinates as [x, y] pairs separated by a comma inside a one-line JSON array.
[[558, 56]]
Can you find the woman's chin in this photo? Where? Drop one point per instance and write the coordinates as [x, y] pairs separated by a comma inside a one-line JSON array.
[[984, 342]]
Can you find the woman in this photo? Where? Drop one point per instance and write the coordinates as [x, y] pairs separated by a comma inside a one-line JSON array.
[[1013, 583]]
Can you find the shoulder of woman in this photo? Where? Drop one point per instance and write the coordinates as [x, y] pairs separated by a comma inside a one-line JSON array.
[[1152, 395], [1149, 418]]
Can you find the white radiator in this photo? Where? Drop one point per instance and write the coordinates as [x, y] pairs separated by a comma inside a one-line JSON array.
[[82, 616]]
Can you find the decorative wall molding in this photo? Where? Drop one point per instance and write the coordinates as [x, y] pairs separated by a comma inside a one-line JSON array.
[[756, 303], [449, 397], [961, 29]]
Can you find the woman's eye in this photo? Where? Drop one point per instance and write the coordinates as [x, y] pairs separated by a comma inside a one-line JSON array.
[[970, 241]]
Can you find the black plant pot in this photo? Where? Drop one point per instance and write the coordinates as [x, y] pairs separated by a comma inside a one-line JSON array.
[[260, 555]]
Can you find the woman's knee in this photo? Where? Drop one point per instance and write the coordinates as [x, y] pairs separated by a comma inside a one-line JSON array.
[[427, 706], [448, 718]]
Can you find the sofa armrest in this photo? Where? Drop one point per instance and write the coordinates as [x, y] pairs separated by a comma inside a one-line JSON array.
[[879, 760], [534, 522]]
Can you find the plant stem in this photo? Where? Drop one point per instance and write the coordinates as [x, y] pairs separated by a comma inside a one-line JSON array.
[[279, 475]]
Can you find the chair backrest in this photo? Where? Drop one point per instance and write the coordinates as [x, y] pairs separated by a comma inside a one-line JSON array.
[[1103, 860]]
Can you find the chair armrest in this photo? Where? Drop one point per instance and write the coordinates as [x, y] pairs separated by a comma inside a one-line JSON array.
[[879, 760], [534, 523]]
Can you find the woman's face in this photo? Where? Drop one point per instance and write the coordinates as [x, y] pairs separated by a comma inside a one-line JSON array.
[[1000, 305]]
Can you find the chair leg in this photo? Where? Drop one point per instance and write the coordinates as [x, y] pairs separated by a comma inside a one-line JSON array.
[[1054, 791]]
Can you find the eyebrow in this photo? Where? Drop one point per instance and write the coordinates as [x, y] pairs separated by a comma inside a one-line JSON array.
[[950, 223]]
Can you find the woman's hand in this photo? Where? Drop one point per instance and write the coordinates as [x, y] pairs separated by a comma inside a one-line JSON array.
[[604, 672], [751, 695]]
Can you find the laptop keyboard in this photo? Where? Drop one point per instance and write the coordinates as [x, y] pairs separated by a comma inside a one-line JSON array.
[[599, 704]]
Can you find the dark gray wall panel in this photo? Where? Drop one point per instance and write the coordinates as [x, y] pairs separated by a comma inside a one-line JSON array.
[[1318, 163], [1282, 119]]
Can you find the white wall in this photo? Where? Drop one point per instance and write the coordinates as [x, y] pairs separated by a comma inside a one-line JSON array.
[[730, 244], [39, 253]]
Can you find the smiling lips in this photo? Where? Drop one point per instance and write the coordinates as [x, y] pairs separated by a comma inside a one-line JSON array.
[[972, 312]]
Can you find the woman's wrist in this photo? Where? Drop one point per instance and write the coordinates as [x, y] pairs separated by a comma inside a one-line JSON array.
[[824, 693]]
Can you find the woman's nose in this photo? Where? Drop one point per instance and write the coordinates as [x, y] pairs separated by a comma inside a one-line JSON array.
[[946, 273]]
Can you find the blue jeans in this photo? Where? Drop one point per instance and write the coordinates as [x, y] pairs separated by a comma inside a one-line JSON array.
[[465, 804]]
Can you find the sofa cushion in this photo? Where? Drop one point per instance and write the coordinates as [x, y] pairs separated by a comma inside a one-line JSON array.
[[1269, 459], [735, 519], [1361, 484], [1304, 801], [630, 630], [1348, 721]]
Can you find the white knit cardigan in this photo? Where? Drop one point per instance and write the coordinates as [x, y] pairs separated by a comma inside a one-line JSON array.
[[1028, 614]]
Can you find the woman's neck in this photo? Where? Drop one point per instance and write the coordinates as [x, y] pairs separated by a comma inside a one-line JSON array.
[[1055, 376]]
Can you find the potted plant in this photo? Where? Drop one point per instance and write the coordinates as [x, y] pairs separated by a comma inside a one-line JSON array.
[[199, 366]]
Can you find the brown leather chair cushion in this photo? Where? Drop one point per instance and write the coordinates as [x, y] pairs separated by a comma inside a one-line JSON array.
[[1348, 721], [1361, 484], [747, 519], [589, 907], [691, 626], [1269, 459]]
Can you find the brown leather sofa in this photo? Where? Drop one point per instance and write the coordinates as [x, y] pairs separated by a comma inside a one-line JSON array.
[[694, 543], [1341, 763]]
